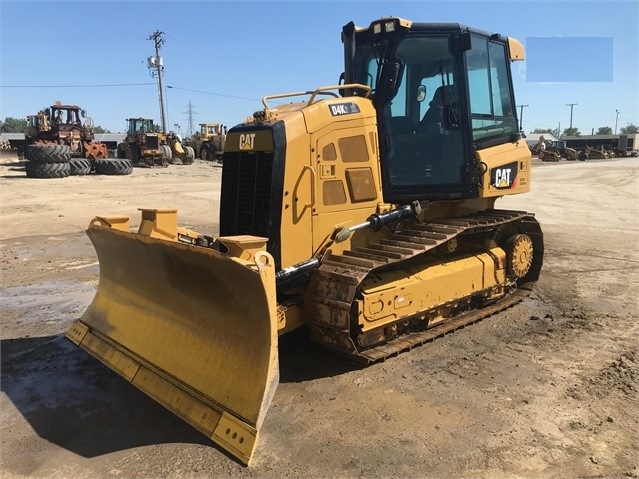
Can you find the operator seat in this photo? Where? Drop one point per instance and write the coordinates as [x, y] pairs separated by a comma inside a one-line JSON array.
[[433, 128], [432, 123]]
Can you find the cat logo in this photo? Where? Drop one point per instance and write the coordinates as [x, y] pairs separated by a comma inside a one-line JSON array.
[[504, 177], [247, 141]]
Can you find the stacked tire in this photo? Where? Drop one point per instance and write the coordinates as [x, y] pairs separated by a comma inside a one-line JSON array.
[[55, 161], [113, 166], [48, 161], [80, 166]]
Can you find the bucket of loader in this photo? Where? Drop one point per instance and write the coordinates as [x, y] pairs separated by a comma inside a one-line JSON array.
[[191, 327]]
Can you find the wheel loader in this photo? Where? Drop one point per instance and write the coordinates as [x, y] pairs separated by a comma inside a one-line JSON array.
[[209, 141], [363, 211], [145, 144], [64, 125]]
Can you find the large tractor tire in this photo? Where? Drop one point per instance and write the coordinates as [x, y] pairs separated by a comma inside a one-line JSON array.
[[113, 166], [80, 166], [167, 154], [189, 156], [204, 153], [47, 153], [38, 169]]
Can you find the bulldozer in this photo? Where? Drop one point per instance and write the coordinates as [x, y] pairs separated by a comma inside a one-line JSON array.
[[209, 141], [63, 125], [146, 145], [364, 212]]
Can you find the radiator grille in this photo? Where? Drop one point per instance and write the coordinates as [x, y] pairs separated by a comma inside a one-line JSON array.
[[152, 142], [245, 206]]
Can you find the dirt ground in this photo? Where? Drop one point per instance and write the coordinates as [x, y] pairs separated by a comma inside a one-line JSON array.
[[546, 389]]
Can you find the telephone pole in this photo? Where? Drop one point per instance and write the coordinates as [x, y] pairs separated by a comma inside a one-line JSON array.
[[157, 64], [521, 116], [616, 121], [571, 105]]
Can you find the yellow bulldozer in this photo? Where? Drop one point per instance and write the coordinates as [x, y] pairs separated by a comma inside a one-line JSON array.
[[363, 211]]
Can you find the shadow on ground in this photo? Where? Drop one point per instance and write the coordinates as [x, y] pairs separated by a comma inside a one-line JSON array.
[[76, 402], [71, 399]]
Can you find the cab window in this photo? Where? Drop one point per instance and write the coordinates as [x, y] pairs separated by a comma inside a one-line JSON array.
[[491, 104]]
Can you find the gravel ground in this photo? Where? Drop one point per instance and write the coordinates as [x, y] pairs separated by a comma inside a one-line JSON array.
[[546, 389]]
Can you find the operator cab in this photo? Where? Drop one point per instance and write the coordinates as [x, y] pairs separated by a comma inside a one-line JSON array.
[[140, 126], [442, 92]]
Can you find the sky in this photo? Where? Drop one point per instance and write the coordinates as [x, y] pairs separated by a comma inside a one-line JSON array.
[[222, 57]]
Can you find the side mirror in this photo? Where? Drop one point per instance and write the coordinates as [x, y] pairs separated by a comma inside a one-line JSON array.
[[462, 42], [421, 93]]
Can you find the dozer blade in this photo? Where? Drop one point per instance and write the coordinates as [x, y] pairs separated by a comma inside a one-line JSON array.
[[190, 327]]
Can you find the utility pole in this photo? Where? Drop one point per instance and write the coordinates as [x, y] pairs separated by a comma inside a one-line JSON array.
[[571, 105], [521, 116], [616, 121], [157, 63]]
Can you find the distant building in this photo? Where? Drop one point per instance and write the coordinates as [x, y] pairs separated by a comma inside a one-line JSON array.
[[606, 142]]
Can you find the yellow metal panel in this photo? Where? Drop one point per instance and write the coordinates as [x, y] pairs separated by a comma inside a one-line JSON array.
[[515, 49], [361, 184], [189, 408], [395, 294], [300, 191], [235, 437], [507, 167], [352, 149], [115, 359]]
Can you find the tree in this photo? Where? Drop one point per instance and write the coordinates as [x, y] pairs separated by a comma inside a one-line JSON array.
[[99, 129], [571, 132], [629, 129], [13, 125], [604, 130]]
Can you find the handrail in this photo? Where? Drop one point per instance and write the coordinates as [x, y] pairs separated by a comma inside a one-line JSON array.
[[323, 90]]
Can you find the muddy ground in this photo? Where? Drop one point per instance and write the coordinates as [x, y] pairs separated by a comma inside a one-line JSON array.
[[546, 389]]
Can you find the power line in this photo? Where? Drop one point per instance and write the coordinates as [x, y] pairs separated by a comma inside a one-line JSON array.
[[189, 130], [212, 93], [77, 86]]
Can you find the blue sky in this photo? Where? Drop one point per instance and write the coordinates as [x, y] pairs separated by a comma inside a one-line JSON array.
[[224, 56]]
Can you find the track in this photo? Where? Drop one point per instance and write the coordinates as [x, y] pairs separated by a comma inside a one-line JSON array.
[[333, 288]]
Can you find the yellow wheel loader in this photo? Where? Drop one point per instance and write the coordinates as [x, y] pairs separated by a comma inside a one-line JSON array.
[[144, 144], [208, 143], [364, 211]]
